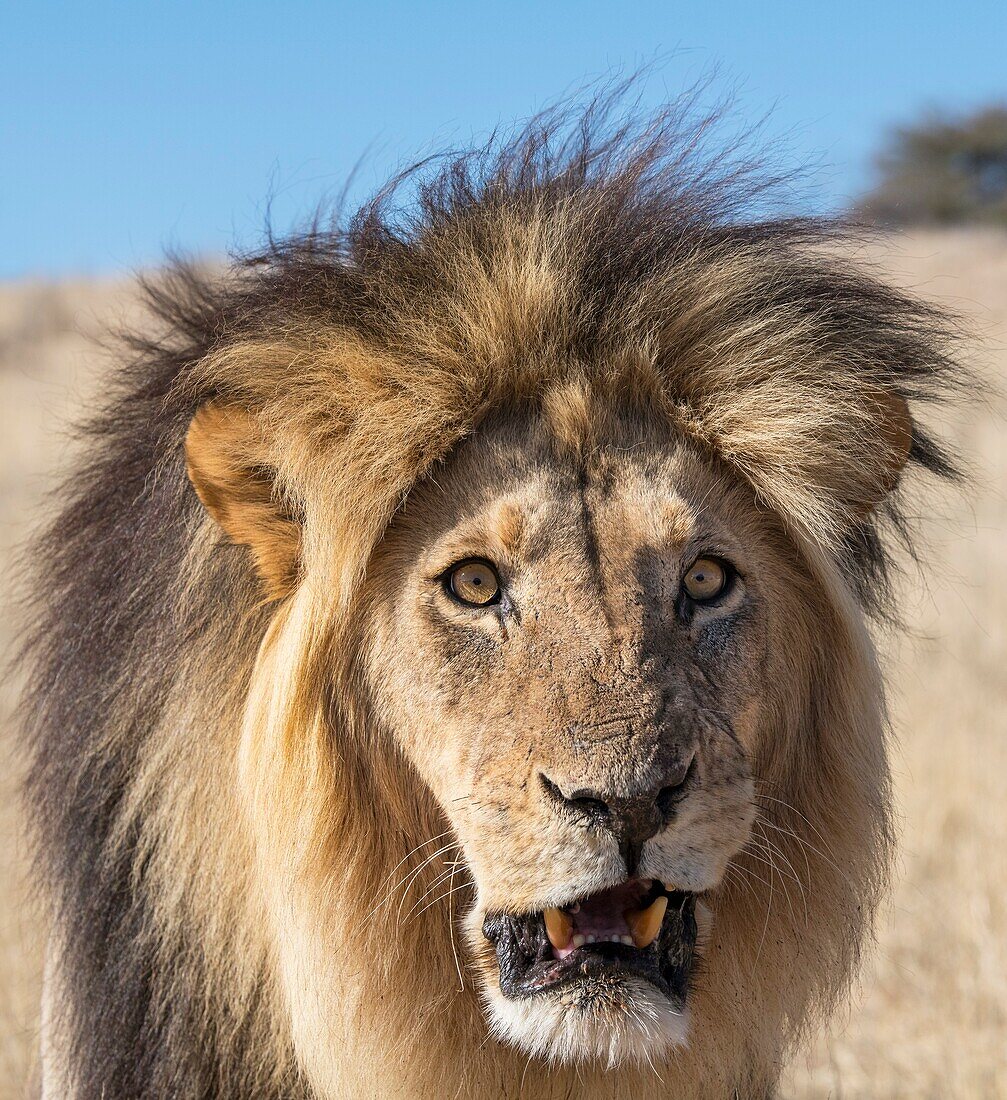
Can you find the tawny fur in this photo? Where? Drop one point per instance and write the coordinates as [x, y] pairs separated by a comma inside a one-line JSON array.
[[219, 805]]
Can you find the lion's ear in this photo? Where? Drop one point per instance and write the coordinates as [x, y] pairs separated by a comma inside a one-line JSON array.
[[226, 459], [895, 434]]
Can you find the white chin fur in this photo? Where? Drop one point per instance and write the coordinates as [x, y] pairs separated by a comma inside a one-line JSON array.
[[613, 1025]]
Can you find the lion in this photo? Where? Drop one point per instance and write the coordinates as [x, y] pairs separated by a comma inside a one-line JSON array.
[[453, 672]]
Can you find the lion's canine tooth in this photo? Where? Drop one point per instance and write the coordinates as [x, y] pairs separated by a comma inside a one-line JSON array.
[[646, 923], [558, 927]]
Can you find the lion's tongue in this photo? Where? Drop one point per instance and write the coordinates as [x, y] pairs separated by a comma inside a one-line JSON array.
[[611, 916]]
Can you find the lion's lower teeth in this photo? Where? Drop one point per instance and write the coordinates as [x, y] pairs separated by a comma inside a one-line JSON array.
[[645, 924]]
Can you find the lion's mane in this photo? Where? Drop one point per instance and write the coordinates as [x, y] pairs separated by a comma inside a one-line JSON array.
[[624, 255]]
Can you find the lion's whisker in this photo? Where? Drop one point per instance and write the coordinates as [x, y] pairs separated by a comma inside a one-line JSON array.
[[811, 848], [404, 882], [765, 927], [811, 825], [775, 870], [740, 879], [748, 876], [793, 871], [447, 894], [766, 846], [449, 870], [451, 928], [794, 836], [422, 844], [412, 878]]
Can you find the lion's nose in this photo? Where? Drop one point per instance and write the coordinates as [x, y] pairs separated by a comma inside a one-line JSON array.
[[632, 819]]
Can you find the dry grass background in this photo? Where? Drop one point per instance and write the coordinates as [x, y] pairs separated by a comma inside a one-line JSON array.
[[930, 1018]]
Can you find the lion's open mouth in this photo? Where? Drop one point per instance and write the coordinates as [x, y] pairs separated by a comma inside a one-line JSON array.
[[638, 929]]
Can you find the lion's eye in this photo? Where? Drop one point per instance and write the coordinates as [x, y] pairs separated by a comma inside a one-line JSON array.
[[474, 583], [705, 580]]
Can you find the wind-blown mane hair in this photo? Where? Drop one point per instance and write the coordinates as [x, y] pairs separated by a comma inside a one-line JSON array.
[[625, 255]]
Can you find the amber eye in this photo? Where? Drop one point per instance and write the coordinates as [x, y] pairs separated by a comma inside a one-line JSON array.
[[474, 583], [705, 580]]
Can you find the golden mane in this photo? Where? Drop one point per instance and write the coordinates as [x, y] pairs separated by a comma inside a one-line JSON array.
[[577, 254]]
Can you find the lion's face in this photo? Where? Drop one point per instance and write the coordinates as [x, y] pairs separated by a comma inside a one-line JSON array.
[[571, 650]]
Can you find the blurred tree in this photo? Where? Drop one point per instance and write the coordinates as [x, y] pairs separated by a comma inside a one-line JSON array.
[[943, 170]]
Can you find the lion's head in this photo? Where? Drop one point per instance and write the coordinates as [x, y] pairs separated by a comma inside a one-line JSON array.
[[528, 707], [570, 638]]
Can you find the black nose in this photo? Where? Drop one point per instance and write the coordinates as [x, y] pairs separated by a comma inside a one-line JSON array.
[[633, 820]]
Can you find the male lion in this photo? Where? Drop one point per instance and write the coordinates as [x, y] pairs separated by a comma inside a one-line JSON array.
[[451, 666]]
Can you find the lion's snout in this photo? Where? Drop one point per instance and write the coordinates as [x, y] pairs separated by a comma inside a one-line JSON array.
[[632, 813]]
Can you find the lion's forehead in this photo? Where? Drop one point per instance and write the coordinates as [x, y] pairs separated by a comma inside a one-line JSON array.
[[591, 547], [519, 497]]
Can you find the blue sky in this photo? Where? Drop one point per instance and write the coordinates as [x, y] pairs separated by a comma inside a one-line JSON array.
[[128, 128]]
